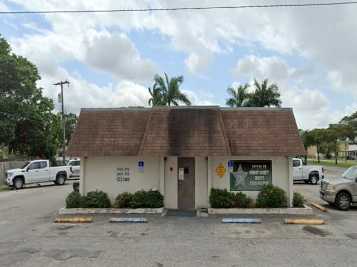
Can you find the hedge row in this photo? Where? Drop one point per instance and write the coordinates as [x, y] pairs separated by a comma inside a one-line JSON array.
[[269, 197], [140, 199], [99, 199], [223, 199]]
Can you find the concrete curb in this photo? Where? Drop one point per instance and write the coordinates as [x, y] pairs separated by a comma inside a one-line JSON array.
[[73, 220], [305, 221], [317, 206], [64, 211], [128, 220], [285, 211], [242, 220]]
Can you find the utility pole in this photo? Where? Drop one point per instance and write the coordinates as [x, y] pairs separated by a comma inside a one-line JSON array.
[[61, 83]]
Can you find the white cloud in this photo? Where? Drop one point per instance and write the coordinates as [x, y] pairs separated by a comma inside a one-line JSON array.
[[253, 67], [197, 63], [3, 7], [200, 98], [113, 53], [116, 54], [83, 94], [311, 107], [307, 33]]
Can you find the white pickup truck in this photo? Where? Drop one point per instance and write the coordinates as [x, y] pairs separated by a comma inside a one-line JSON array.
[[36, 172], [307, 173]]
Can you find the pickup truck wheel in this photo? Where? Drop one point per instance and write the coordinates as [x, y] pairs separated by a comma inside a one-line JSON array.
[[314, 179], [343, 201], [18, 183], [61, 179]]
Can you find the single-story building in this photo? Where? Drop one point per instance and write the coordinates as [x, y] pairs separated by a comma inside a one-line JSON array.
[[185, 151]]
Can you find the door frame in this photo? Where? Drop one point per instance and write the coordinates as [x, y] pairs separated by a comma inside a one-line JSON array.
[[193, 183]]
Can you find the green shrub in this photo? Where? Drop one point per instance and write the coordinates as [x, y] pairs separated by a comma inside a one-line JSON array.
[[298, 200], [154, 199], [138, 200], [271, 197], [241, 200], [221, 198], [73, 200], [96, 199], [123, 200], [147, 199]]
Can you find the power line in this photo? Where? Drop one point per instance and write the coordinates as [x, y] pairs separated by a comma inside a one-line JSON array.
[[344, 3]]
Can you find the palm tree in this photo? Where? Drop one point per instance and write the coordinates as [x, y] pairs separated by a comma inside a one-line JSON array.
[[265, 95], [157, 97], [169, 90], [239, 96]]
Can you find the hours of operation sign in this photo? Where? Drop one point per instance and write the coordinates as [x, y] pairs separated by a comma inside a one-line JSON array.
[[123, 175], [249, 175]]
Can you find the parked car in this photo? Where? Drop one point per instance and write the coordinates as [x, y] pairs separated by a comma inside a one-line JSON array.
[[75, 167], [308, 173], [342, 191], [35, 172]]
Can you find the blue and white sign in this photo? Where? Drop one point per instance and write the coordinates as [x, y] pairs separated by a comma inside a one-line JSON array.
[[230, 165], [141, 166]]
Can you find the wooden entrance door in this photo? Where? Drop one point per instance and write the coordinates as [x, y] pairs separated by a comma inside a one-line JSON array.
[[186, 183]]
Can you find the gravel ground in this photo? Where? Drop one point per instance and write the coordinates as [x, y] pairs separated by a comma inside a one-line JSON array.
[[29, 238]]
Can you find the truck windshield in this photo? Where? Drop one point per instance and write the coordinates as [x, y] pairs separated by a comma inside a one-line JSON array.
[[350, 173], [25, 164]]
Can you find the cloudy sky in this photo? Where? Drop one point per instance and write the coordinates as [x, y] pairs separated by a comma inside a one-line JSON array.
[[110, 59]]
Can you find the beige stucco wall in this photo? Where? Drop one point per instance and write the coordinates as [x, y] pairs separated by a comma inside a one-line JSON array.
[[161, 174], [280, 173], [101, 173], [170, 196], [201, 196]]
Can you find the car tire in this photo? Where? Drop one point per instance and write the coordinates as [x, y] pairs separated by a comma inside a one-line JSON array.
[[60, 179], [314, 179], [343, 201], [18, 183]]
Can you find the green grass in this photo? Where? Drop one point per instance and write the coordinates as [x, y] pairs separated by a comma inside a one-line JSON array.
[[4, 188], [331, 162]]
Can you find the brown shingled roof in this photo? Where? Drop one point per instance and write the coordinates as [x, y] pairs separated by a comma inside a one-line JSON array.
[[186, 131]]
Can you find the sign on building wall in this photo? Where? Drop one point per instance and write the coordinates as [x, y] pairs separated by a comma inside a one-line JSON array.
[[249, 175], [141, 166], [123, 175], [220, 170], [181, 174]]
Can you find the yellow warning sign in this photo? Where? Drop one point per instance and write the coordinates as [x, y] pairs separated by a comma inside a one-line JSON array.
[[221, 170]]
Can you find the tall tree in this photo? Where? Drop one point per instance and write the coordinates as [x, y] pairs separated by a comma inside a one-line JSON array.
[[317, 138], [307, 139], [26, 117], [265, 95], [336, 133], [166, 91], [351, 121], [238, 96], [71, 120]]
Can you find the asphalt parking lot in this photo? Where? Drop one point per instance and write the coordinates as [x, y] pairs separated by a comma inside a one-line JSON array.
[[29, 238]]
